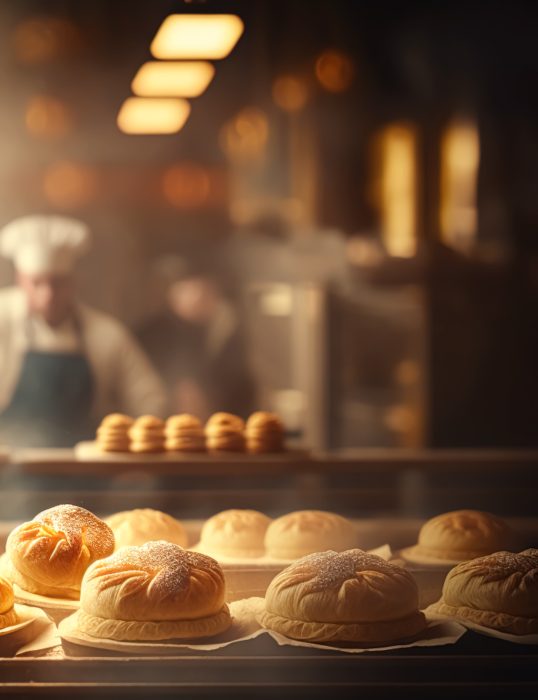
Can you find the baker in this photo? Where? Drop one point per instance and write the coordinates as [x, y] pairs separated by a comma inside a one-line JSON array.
[[63, 365]]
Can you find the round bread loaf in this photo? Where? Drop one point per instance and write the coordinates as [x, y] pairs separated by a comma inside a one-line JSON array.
[[235, 533], [463, 534], [263, 422], [50, 554], [8, 616], [117, 421], [305, 531], [499, 590], [141, 525], [220, 424], [157, 591], [183, 424], [343, 596]]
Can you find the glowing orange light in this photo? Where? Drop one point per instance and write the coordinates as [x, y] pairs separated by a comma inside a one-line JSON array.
[[245, 136], [290, 93], [335, 71], [398, 190], [460, 158], [47, 117], [197, 36], [186, 186], [173, 78], [152, 115], [68, 185]]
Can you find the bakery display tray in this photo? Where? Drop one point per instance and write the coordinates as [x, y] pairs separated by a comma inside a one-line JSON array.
[[481, 666]]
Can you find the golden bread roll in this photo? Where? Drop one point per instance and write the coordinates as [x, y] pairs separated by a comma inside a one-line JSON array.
[[348, 596], [50, 554], [8, 616], [157, 591], [224, 424], [235, 533], [306, 531], [499, 590], [463, 534], [145, 423], [141, 525], [117, 421], [263, 422], [183, 424]]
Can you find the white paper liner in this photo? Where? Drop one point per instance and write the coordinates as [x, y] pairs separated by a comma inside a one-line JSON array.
[[431, 611], [91, 452], [410, 555], [244, 627], [34, 633]]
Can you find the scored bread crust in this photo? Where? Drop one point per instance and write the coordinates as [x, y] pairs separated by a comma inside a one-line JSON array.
[[8, 618], [363, 632], [29, 584], [499, 590], [306, 531], [50, 554], [463, 534], [148, 630], [504, 622]]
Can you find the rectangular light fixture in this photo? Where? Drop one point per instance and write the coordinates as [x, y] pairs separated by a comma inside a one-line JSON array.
[[172, 78], [197, 36], [151, 115], [399, 190]]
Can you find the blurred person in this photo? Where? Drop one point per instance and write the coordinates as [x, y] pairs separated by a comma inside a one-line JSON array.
[[64, 364], [197, 343]]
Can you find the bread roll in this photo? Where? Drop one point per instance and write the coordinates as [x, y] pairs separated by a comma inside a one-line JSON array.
[[305, 531], [141, 525], [50, 554], [157, 591], [235, 533], [499, 590], [8, 616], [348, 596], [463, 534]]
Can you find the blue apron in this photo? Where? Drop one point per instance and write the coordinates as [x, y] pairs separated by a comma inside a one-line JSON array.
[[51, 404]]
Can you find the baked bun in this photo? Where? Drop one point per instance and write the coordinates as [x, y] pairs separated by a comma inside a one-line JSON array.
[[348, 596], [113, 433], [264, 432], [224, 433], [141, 525], [184, 433], [8, 616], [147, 435], [157, 591], [463, 534], [306, 531], [235, 533], [499, 590], [50, 554]]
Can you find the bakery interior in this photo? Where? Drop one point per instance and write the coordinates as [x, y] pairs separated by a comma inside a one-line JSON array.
[[310, 228]]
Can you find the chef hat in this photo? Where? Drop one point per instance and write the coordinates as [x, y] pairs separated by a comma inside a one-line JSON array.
[[44, 244]]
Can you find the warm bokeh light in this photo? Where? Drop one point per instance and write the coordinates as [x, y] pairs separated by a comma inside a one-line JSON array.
[[42, 39], [335, 71], [47, 117], [460, 158], [173, 78], [398, 190], [151, 115], [197, 36], [186, 186], [245, 136], [69, 185], [290, 93]]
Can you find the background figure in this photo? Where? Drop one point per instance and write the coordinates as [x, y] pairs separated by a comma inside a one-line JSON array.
[[197, 343], [64, 364]]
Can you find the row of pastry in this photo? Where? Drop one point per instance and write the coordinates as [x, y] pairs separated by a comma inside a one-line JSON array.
[[159, 590], [263, 432]]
